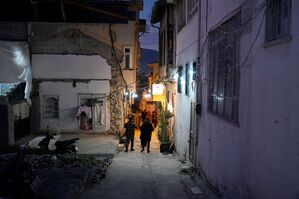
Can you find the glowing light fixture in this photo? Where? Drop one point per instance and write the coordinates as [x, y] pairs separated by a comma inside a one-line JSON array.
[[158, 89], [134, 95]]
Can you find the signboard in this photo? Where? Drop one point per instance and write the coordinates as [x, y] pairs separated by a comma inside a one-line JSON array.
[[157, 89]]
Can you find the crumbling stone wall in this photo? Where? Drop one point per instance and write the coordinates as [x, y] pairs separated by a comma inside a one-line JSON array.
[[47, 38], [116, 97]]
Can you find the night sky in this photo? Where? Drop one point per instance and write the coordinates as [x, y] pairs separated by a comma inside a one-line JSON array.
[[149, 40]]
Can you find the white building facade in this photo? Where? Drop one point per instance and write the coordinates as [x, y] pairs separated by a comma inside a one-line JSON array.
[[248, 137], [187, 33]]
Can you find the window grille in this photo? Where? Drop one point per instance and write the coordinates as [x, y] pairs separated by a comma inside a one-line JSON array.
[[51, 107], [223, 77], [278, 19]]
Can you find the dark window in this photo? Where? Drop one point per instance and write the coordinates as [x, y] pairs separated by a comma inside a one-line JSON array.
[[181, 14], [194, 71], [180, 79], [278, 19], [187, 76], [223, 94], [51, 107], [128, 58]]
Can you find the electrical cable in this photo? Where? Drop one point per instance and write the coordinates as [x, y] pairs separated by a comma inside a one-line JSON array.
[[115, 55]]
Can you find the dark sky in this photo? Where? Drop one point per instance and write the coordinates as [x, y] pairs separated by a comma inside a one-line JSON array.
[[149, 40]]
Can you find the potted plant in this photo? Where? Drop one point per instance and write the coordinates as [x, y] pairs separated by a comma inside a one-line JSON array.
[[164, 129]]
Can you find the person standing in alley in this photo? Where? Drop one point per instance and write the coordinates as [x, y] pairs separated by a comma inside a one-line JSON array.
[[143, 114], [146, 134], [129, 132]]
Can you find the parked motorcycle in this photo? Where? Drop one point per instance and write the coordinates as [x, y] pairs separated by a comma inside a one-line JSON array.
[[65, 146]]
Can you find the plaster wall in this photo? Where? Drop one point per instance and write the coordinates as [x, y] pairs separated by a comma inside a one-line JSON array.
[[258, 158], [57, 73], [70, 67], [186, 53], [68, 97]]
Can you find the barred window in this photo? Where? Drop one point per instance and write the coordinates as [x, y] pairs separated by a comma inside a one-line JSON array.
[[223, 82], [51, 107], [278, 19]]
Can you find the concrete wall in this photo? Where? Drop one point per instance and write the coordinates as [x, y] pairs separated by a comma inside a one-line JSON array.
[[70, 67], [259, 158], [69, 103], [57, 73], [186, 51]]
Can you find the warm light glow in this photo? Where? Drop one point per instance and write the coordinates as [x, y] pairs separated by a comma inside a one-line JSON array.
[[147, 95], [134, 95], [158, 89]]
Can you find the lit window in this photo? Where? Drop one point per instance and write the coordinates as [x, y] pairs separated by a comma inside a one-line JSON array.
[[128, 58], [51, 107], [223, 82], [278, 19]]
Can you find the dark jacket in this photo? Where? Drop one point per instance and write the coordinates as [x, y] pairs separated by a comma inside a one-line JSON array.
[[130, 127], [146, 130]]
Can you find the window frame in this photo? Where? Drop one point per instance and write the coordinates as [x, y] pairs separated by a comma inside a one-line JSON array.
[[130, 58], [278, 21], [223, 69], [46, 112]]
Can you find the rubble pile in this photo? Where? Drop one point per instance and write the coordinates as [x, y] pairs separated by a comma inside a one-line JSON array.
[[47, 161], [65, 176]]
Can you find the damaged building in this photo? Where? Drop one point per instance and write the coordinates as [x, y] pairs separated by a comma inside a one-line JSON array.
[[83, 55]]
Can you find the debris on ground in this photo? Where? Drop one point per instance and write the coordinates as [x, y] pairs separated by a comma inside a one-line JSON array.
[[188, 170], [66, 175]]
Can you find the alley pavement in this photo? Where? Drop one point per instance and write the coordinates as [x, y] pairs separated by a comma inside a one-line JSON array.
[[143, 175]]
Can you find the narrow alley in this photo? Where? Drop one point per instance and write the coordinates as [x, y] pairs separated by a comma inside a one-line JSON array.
[[145, 175]]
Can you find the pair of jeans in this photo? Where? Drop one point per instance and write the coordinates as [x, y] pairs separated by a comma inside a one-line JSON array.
[[128, 140]]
